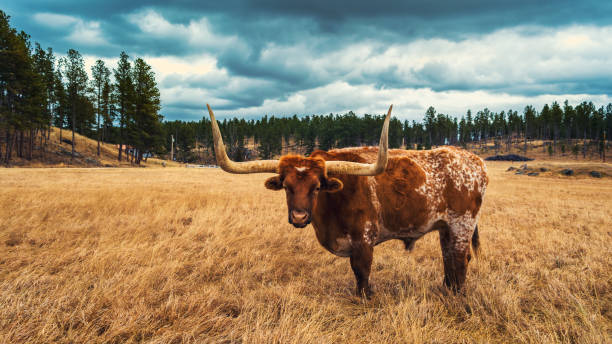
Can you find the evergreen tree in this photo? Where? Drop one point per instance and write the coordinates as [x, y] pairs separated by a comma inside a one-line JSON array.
[[430, 125], [569, 118], [395, 133], [107, 109], [33, 100], [61, 97], [44, 63], [469, 126], [529, 121], [583, 117], [408, 135], [144, 126], [76, 84], [556, 117], [124, 95], [101, 79], [462, 131]]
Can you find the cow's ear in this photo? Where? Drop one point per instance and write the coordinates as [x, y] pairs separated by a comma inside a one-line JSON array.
[[274, 183], [332, 185]]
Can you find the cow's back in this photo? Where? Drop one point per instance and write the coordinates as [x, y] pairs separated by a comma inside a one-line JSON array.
[[421, 188]]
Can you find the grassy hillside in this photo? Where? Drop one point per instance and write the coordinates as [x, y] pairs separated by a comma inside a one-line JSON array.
[[58, 154], [538, 149], [197, 255]]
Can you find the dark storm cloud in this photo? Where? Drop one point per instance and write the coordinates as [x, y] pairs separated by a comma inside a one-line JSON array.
[[324, 11], [284, 22]]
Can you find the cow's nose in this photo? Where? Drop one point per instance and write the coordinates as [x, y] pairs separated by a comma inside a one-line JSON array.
[[299, 216]]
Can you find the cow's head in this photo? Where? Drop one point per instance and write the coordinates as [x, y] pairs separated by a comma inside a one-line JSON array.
[[302, 178]]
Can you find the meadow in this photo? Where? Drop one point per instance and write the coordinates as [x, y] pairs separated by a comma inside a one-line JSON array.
[[177, 255]]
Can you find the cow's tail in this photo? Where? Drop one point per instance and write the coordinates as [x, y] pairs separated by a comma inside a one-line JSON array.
[[476, 242]]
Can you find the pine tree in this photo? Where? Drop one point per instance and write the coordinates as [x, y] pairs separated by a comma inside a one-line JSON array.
[[44, 63], [395, 133], [569, 117], [61, 97], [556, 117], [107, 108], [41, 116], [529, 121], [76, 86], [469, 126], [101, 79], [124, 95], [144, 128], [430, 124], [583, 117]]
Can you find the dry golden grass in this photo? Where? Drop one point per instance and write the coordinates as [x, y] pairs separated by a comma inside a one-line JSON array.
[[195, 255]]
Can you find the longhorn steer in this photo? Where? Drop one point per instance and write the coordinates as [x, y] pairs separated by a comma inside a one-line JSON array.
[[376, 195]]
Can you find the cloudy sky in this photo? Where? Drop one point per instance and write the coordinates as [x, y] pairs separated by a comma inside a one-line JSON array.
[[250, 58]]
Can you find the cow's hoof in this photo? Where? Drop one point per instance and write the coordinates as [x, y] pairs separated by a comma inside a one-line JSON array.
[[365, 293], [454, 288]]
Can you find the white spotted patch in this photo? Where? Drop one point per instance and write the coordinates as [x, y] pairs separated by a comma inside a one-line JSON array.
[[301, 169], [367, 232], [462, 228]]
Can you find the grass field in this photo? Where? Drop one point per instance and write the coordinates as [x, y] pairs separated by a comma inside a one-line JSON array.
[[195, 255]]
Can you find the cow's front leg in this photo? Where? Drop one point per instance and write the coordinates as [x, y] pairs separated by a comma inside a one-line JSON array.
[[361, 263], [455, 251]]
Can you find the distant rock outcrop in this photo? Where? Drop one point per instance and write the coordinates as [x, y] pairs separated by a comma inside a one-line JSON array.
[[595, 174], [508, 157]]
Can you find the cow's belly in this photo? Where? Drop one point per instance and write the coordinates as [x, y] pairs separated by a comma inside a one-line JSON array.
[[340, 245], [384, 235], [409, 232]]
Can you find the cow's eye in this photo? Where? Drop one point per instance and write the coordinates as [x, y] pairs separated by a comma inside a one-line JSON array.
[[318, 188]]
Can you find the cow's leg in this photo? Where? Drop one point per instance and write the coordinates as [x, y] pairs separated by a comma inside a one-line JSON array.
[[455, 242], [361, 262], [408, 244]]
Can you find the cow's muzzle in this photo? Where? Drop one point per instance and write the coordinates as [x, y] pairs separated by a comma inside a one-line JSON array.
[[299, 218]]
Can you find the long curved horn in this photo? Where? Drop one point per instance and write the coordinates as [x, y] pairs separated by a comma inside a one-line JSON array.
[[257, 166], [359, 169]]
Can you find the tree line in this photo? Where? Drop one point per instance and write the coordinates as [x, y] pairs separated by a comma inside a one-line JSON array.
[[270, 134], [561, 125], [39, 90], [554, 123]]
